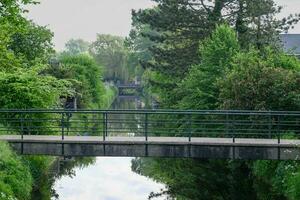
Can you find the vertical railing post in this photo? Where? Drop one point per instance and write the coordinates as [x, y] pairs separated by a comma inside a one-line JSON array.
[[227, 132], [146, 126], [69, 114], [278, 129], [269, 125], [104, 125], [6, 122], [228, 128], [28, 125], [22, 127], [62, 126], [190, 127], [234, 118]]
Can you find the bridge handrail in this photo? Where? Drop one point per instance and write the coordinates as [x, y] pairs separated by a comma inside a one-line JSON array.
[[157, 111], [186, 123]]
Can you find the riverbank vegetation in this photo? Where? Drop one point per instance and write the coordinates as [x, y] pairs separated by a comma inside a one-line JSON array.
[[118, 60], [219, 55], [15, 177], [34, 76]]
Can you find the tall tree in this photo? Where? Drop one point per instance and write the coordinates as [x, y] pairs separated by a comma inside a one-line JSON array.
[[182, 24], [261, 83], [199, 89], [86, 76], [138, 47], [77, 46], [110, 52], [32, 43]]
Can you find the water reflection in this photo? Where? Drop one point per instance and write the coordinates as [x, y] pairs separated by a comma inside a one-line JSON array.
[[107, 179], [128, 102], [104, 178], [134, 125]]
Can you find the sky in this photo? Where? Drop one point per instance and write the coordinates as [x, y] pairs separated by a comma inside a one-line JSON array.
[[85, 18]]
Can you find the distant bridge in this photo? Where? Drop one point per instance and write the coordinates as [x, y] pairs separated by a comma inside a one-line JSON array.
[[123, 88], [265, 135], [129, 86]]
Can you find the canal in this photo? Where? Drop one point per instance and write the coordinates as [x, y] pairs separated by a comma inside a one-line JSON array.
[[116, 178], [103, 178]]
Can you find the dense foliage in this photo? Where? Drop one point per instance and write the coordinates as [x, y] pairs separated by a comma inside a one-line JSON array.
[[197, 62], [15, 177], [179, 26], [255, 84], [87, 76], [118, 60], [111, 52], [199, 89], [28, 89], [29, 79], [77, 46]]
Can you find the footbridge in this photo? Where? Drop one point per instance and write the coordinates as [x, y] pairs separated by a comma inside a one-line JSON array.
[[129, 86], [212, 134], [124, 88]]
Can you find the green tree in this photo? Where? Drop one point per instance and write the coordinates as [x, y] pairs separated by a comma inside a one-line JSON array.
[[8, 60], [26, 40], [267, 81], [86, 75], [232, 78], [182, 24], [139, 45], [12, 10], [32, 43], [77, 46], [27, 90], [110, 52], [255, 83], [24, 51], [139, 54], [199, 89]]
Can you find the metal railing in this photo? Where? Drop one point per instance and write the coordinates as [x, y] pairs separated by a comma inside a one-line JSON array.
[[152, 123]]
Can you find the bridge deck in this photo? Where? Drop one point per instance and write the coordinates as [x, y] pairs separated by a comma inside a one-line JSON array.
[[175, 147], [151, 140]]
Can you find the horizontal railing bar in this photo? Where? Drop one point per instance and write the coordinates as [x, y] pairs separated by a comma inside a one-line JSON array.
[[192, 120], [232, 123], [199, 128], [162, 134], [224, 128], [150, 120], [158, 132], [238, 128], [159, 111], [264, 118]]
